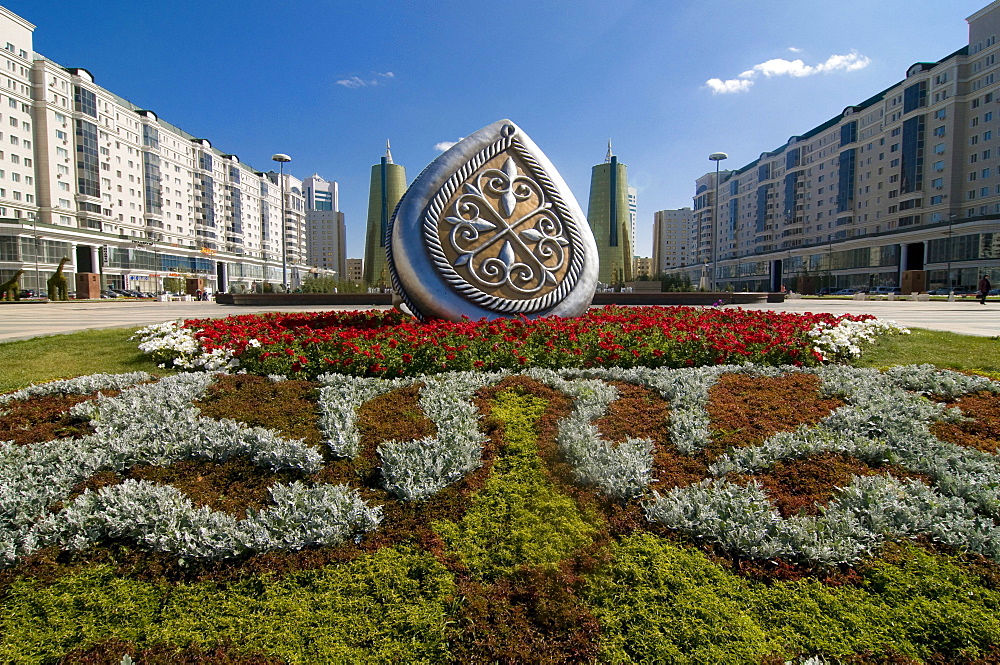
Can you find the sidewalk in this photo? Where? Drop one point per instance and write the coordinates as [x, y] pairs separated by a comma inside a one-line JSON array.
[[26, 320]]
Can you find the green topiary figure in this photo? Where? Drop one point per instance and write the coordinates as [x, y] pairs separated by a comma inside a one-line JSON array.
[[57, 283], [11, 289]]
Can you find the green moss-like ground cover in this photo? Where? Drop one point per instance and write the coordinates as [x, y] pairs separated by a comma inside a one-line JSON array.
[[530, 569]]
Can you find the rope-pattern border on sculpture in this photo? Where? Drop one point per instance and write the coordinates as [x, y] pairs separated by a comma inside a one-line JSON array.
[[393, 275], [436, 251]]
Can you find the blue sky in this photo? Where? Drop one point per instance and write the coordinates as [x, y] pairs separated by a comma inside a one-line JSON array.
[[327, 82]]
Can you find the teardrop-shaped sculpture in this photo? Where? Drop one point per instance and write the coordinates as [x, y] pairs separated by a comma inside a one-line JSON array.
[[489, 229]]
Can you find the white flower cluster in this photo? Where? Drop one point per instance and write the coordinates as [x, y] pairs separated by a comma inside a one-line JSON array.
[[844, 340], [81, 385], [171, 343]]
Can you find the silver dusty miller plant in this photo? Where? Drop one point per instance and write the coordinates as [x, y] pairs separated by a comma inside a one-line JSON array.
[[886, 419]]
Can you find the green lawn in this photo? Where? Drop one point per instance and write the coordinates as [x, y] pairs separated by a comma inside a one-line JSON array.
[[943, 349], [63, 356]]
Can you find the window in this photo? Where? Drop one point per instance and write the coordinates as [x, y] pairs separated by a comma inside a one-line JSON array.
[[61, 135], [972, 177], [939, 149], [938, 166], [986, 136], [937, 183], [939, 131], [985, 173], [936, 200], [940, 114]]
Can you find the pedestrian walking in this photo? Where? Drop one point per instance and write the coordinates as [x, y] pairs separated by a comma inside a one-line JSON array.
[[984, 289]]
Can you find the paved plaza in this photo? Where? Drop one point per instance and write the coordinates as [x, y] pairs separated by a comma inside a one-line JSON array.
[[26, 320]]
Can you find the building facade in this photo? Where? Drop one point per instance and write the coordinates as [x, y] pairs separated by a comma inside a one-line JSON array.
[[355, 271], [88, 176], [388, 184], [908, 179], [608, 215], [326, 232], [672, 231]]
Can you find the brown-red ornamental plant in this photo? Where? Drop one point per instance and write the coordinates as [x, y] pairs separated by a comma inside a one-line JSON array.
[[388, 343]]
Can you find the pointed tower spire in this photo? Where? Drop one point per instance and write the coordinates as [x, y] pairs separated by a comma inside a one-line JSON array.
[[607, 160], [388, 153]]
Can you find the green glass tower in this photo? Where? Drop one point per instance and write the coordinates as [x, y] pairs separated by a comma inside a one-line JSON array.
[[388, 183], [608, 215]]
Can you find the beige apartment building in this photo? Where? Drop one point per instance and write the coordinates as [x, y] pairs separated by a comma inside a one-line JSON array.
[[117, 190], [908, 179], [672, 245]]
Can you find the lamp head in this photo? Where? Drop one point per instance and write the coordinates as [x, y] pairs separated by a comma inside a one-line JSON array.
[[281, 158], [718, 156]]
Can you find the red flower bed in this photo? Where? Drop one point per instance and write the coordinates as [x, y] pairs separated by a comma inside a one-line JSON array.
[[390, 344]]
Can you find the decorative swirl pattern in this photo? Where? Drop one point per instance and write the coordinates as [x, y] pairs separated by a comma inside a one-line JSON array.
[[485, 242]]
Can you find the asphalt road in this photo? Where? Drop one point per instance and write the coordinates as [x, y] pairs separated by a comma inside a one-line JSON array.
[[26, 320]]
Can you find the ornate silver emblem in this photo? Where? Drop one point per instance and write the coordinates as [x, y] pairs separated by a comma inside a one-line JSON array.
[[498, 228]]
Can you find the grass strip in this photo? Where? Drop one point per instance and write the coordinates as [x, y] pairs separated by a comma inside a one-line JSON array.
[[944, 349], [42, 359]]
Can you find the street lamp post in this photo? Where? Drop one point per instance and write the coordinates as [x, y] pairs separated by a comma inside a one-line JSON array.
[[715, 157], [34, 228], [951, 287], [282, 159]]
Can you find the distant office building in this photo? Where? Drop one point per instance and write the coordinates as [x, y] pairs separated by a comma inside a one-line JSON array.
[[121, 192], [388, 183], [608, 215], [672, 239], [326, 232], [908, 179], [355, 270], [320, 194], [642, 266]]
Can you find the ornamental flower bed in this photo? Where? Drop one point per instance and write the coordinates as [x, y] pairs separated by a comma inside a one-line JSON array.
[[578, 515], [388, 344]]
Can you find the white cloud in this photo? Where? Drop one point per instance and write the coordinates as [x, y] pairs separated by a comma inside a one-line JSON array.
[[720, 87], [849, 62], [353, 82], [794, 49], [446, 145]]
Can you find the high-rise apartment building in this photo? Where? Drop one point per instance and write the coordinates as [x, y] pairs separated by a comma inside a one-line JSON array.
[[908, 179], [388, 184], [326, 232], [121, 192], [672, 239], [608, 215]]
